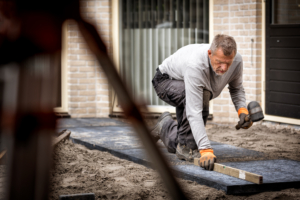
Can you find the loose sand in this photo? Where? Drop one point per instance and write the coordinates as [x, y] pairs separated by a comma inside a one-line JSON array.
[[79, 170]]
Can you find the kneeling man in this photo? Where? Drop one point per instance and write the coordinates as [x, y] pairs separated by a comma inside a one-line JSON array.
[[188, 79]]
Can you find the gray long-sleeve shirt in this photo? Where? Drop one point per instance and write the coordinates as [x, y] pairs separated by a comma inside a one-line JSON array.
[[192, 65]]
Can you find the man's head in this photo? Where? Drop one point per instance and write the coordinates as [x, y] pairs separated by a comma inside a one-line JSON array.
[[221, 53]]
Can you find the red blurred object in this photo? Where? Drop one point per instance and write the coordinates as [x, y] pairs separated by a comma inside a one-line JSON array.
[[33, 27]]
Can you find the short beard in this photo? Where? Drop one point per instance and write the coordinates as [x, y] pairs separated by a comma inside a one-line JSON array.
[[219, 74]]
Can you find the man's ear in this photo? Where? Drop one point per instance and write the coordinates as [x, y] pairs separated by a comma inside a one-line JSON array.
[[209, 52]]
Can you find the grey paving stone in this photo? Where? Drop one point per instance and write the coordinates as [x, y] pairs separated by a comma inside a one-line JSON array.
[[123, 142], [86, 122]]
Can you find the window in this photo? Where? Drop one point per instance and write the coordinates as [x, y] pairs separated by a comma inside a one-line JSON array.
[[285, 11], [152, 30]]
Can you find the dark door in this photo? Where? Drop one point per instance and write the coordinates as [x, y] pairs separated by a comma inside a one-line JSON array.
[[283, 58]]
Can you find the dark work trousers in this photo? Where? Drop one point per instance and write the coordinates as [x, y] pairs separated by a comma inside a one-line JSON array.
[[173, 92]]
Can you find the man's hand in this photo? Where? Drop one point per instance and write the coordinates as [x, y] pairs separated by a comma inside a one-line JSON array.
[[207, 159], [243, 123], [245, 120]]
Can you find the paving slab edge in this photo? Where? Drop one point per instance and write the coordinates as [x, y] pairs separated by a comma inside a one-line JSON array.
[[229, 189]]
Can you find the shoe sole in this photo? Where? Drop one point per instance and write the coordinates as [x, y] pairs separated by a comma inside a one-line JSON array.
[[164, 115], [182, 157]]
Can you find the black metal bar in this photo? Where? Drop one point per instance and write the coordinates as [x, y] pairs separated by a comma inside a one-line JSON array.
[[205, 21], [199, 21], [179, 13], [159, 12]]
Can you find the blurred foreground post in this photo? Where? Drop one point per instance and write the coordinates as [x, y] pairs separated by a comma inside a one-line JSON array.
[[35, 28], [28, 125]]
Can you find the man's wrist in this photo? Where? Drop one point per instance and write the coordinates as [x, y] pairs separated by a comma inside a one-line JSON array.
[[202, 151], [243, 110]]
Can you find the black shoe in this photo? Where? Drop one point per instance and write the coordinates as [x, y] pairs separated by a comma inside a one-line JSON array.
[[155, 131], [184, 153]]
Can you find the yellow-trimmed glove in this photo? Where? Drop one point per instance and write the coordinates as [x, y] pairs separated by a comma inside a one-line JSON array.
[[207, 159], [244, 122]]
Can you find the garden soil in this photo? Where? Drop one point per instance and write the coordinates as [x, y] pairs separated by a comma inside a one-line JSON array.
[[80, 170]]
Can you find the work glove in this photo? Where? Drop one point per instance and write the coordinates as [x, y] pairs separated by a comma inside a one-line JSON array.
[[245, 120], [207, 159]]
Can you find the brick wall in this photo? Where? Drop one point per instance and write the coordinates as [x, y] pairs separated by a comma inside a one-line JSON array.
[[242, 20], [88, 90]]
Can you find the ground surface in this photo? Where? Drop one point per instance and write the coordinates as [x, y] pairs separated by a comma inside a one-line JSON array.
[[79, 170]]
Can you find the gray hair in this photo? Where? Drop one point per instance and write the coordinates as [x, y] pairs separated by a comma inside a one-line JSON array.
[[226, 42]]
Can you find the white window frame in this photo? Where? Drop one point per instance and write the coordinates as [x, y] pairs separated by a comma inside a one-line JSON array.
[[64, 72], [116, 56]]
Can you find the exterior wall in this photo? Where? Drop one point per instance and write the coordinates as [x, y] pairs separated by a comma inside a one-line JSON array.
[[242, 20], [88, 90]]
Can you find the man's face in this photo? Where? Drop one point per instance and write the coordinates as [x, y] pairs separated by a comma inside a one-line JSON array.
[[219, 62]]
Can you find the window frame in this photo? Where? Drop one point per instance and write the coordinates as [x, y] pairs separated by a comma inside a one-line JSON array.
[[64, 73], [116, 55]]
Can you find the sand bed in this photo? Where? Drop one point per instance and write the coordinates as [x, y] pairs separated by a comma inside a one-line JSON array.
[[79, 170]]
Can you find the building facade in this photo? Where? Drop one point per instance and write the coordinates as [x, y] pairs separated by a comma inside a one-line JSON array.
[[134, 32]]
